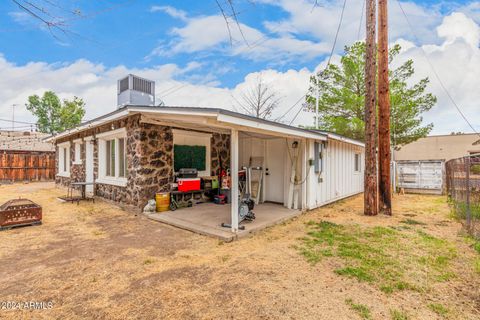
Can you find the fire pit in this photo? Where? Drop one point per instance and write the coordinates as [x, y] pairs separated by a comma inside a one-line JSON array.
[[19, 212]]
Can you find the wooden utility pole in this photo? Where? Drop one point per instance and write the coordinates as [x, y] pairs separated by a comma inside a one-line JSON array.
[[370, 181], [384, 156]]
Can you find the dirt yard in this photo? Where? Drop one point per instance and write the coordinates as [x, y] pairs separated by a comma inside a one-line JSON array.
[[97, 261]]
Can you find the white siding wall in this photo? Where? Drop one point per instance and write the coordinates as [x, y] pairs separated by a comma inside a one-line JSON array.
[[258, 147], [338, 179]]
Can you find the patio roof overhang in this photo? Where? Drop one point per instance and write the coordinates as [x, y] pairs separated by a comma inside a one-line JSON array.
[[210, 120], [205, 119]]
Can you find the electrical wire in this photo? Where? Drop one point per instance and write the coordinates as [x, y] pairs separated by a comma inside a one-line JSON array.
[[15, 121], [261, 40], [450, 97], [361, 20], [330, 56]]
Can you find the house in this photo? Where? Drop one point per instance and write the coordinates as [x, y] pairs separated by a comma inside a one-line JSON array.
[[24, 156], [133, 152], [421, 164], [440, 147]]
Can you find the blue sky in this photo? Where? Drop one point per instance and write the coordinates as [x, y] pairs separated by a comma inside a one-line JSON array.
[[125, 32], [185, 45]]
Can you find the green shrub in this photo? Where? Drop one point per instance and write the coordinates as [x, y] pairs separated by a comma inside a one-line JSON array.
[[475, 169]]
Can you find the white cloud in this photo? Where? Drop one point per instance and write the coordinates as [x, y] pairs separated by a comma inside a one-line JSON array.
[[322, 21], [456, 60], [171, 11], [457, 63], [285, 40], [21, 17], [211, 34], [458, 26], [96, 84]]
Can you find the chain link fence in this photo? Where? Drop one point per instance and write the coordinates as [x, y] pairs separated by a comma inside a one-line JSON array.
[[463, 188]]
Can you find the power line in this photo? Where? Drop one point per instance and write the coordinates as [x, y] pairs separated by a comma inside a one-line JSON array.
[[435, 72], [291, 108], [361, 20], [261, 40], [329, 58], [15, 121]]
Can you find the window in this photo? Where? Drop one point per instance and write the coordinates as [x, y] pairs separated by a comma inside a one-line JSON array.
[[358, 162], [64, 159], [122, 158], [112, 158], [77, 157]]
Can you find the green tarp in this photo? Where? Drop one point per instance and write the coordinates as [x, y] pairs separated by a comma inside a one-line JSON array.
[[189, 157]]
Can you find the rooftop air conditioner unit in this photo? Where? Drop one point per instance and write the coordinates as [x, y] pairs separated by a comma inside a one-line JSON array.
[[135, 91]]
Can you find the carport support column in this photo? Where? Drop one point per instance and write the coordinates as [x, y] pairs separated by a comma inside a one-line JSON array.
[[234, 178]]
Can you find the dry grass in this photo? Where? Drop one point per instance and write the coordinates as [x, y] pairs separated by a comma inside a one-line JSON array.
[[97, 261]]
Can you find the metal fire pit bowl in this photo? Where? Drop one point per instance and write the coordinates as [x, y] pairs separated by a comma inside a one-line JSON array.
[[19, 212]]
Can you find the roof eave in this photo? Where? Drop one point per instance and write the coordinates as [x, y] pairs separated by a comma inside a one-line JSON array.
[[220, 114]]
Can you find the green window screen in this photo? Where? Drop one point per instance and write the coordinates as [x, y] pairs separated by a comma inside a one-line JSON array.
[[189, 157]]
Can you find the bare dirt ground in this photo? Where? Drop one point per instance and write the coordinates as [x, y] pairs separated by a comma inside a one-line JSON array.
[[98, 261]]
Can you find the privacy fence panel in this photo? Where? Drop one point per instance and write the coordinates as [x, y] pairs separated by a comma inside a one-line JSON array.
[[425, 176], [463, 187], [27, 166]]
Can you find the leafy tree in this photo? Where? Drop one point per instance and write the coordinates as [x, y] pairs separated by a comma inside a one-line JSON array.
[[54, 115], [342, 97]]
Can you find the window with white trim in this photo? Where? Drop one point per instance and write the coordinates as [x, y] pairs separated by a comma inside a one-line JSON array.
[[77, 157], [64, 160], [112, 157], [358, 162]]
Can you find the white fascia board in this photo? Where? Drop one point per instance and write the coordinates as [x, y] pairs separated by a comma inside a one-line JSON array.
[[113, 133], [269, 127], [78, 141], [191, 133], [160, 110], [86, 126], [64, 144], [344, 139]]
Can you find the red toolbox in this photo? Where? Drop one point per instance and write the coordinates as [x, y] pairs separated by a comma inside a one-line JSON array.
[[188, 184]]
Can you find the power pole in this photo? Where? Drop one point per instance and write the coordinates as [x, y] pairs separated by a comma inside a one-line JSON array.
[[13, 116], [317, 112], [384, 152], [370, 181]]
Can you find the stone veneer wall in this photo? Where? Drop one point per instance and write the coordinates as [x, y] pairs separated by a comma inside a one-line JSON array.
[[220, 152], [150, 156], [149, 161]]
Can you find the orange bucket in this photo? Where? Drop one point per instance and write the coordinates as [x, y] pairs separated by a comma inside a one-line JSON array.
[[163, 201]]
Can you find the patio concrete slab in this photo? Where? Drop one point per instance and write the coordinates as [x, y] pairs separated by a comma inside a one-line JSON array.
[[206, 219]]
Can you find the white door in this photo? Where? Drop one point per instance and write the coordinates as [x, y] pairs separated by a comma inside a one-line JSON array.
[[89, 165], [275, 170]]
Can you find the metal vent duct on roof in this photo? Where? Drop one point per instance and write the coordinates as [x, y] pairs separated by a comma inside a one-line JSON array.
[[133, 90]]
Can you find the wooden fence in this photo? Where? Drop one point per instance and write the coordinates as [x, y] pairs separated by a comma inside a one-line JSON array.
[[27, 166]]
